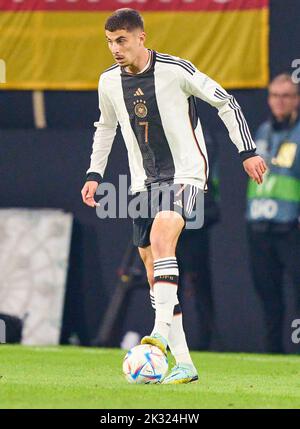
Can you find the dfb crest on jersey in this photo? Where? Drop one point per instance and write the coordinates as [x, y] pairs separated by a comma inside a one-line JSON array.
[[140, 108]]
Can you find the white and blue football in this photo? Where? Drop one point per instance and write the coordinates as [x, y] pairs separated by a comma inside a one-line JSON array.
[[145, 364]]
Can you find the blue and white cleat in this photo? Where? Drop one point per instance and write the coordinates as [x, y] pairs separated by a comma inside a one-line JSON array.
[[156, 340], [182, 373]]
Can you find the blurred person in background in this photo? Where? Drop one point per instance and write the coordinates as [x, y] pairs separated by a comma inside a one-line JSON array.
[[273, 209]]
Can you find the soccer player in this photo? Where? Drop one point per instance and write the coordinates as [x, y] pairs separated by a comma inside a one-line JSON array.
[[151, 96]]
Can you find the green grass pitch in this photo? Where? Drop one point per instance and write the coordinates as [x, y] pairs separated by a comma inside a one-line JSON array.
[[71, 377]]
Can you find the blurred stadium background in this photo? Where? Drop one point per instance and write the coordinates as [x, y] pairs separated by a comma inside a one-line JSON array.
[[58, 262]]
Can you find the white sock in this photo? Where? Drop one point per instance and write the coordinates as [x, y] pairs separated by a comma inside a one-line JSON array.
[[165, 294], [177, 341]]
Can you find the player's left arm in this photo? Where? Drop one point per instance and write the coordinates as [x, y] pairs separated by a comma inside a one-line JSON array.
[[201, 86]]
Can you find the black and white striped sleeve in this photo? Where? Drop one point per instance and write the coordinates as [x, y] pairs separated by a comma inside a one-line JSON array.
[[200, 85], [103, 136]]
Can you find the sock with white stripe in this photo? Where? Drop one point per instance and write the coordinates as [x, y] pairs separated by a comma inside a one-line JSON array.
[[177, 340], [165, 293]]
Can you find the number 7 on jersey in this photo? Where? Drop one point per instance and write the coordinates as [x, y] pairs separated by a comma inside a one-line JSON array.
[[146, 125]]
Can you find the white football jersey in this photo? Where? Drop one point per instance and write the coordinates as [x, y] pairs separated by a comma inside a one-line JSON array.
[[156, 111]]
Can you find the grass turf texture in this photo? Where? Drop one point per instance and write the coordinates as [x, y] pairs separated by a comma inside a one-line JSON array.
[[70, 377]]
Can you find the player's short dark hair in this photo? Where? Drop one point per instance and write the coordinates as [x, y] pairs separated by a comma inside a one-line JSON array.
[[124, 19]]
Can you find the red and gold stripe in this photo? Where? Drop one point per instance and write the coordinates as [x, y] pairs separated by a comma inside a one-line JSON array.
[[145, 5], [60, 44]]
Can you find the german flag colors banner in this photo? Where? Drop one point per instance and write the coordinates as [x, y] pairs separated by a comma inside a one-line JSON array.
[[60, 44]]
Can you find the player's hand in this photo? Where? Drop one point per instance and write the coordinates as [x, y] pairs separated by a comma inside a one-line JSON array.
[[88, 191], [255, 167]]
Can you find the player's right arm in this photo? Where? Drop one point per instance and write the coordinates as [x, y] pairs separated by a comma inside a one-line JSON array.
[[102, 144]]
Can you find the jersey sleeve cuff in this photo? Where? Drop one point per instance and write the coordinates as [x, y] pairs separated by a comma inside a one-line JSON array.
[[96, 177], [245, 154]]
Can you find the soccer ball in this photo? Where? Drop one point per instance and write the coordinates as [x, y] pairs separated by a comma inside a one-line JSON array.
[[145, 364]]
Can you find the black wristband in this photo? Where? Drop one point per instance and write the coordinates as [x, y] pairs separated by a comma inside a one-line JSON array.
[[247, 154], [96, 177]]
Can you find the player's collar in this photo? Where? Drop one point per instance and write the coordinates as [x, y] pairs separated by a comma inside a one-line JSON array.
[[146, 69], [148, 63]]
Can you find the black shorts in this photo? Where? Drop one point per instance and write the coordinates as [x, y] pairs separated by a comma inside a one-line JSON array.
[[187, 200]]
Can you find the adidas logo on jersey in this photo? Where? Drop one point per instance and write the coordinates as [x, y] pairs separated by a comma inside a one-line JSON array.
[[138, 92]]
